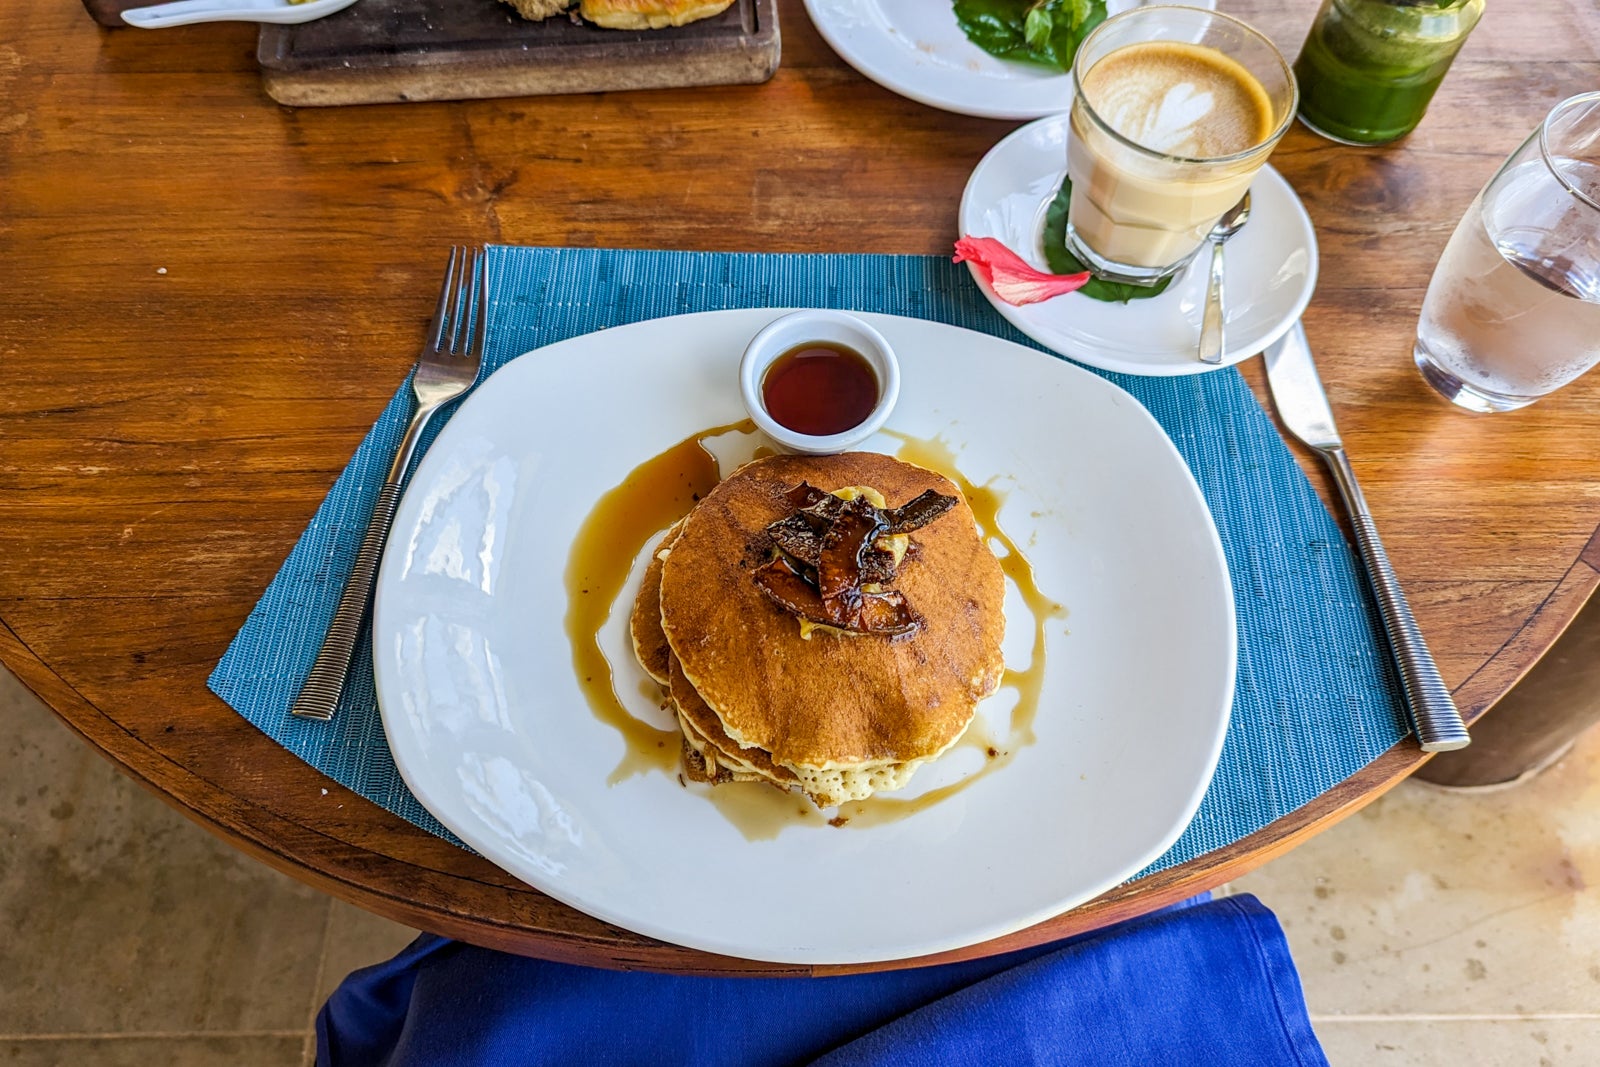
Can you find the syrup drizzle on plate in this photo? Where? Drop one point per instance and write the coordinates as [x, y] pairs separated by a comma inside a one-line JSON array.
[[658, 493]]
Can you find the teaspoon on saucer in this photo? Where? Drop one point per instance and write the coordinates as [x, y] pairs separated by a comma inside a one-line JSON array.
[[185, 12], [1211, 325]]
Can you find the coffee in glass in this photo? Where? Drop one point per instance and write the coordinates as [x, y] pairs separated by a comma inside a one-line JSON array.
[[1175, 111]]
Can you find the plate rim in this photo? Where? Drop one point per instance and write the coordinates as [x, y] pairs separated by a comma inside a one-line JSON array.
[[792, 954]]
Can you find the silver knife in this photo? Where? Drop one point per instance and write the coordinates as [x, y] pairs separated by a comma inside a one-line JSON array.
[[1303, 405]]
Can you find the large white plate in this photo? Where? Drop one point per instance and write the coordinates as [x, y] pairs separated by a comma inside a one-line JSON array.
[[491, 732], [916, 48], [1271, 267]]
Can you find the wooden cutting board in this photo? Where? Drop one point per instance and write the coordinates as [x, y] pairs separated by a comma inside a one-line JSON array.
[[392, 50], [109, 12]]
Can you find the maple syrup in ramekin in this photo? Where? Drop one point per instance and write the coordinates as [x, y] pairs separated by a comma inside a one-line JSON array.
[[820, 388], [819, 381]]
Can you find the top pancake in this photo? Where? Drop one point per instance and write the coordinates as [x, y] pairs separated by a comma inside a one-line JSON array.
[[835, 700]]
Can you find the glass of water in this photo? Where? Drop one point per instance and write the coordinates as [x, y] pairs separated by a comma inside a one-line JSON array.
[[1513, 310]]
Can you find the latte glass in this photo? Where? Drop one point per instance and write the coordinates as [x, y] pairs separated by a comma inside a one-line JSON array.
[[1137, 214], [1513, 310]]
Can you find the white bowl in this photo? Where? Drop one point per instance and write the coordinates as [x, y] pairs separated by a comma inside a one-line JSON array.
[[830, 327]]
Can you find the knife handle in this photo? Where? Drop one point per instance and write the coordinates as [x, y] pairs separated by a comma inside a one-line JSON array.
[[1433, 713]]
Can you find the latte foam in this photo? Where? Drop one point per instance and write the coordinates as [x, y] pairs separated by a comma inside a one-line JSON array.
[[1180, 99]]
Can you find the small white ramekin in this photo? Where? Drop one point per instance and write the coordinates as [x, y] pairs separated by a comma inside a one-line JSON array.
[[831, 327]]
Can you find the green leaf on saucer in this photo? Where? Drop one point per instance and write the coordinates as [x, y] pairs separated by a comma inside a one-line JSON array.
[[1063, 262]]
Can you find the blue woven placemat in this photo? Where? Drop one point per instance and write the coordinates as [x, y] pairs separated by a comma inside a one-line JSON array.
[[1316, 698]]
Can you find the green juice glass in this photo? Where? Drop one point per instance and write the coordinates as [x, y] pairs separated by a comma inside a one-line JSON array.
[[1369, 67]]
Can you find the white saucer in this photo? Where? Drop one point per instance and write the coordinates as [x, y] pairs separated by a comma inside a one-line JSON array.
[[917, 49], [1271, 267]]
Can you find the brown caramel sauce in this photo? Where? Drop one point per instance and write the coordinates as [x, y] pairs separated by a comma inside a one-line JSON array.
[[661, 491], [986, 501], [656, 494]]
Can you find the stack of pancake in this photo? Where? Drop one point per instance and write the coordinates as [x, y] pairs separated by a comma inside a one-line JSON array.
[[762, 693]]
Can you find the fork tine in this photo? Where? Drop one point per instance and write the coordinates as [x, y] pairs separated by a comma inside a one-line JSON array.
[[467, 328], [446, 290], [460, 320], [481, 333]]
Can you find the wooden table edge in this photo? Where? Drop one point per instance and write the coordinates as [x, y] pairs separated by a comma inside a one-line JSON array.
[[1124, 902]]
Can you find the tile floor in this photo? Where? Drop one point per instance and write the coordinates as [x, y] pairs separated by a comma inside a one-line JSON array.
[[1431, 928]]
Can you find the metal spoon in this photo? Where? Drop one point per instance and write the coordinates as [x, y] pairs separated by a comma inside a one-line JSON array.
[[1211, 324], [184, 12]]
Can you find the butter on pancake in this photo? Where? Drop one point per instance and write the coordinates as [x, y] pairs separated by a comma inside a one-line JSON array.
[[844, 714]]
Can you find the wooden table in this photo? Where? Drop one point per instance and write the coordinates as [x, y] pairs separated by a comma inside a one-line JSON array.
[[209, 298]]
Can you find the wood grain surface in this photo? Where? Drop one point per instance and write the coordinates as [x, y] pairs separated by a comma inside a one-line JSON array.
[[209, 298]]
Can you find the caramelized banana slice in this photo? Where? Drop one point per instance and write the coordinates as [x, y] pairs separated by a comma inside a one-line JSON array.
[[918, 512], [884, 613]]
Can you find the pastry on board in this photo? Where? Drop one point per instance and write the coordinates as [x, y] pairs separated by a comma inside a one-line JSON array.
[[649, 14], [624, 14], [539, 10]]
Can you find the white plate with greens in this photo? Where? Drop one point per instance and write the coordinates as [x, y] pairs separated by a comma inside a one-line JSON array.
[[917, 48]]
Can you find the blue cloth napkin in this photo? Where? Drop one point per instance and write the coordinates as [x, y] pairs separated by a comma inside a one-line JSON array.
[[1206, 983]]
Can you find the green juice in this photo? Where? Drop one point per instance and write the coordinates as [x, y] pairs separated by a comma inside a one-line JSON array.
[[1369, 67]]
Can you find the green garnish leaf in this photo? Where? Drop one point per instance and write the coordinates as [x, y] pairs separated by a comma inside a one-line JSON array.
[[1061, 261], [1044, 32]]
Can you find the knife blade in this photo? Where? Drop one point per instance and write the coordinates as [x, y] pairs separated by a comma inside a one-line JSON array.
[[1302, 404]]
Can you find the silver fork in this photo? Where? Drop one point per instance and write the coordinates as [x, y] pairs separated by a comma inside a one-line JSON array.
[[447, 368]]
